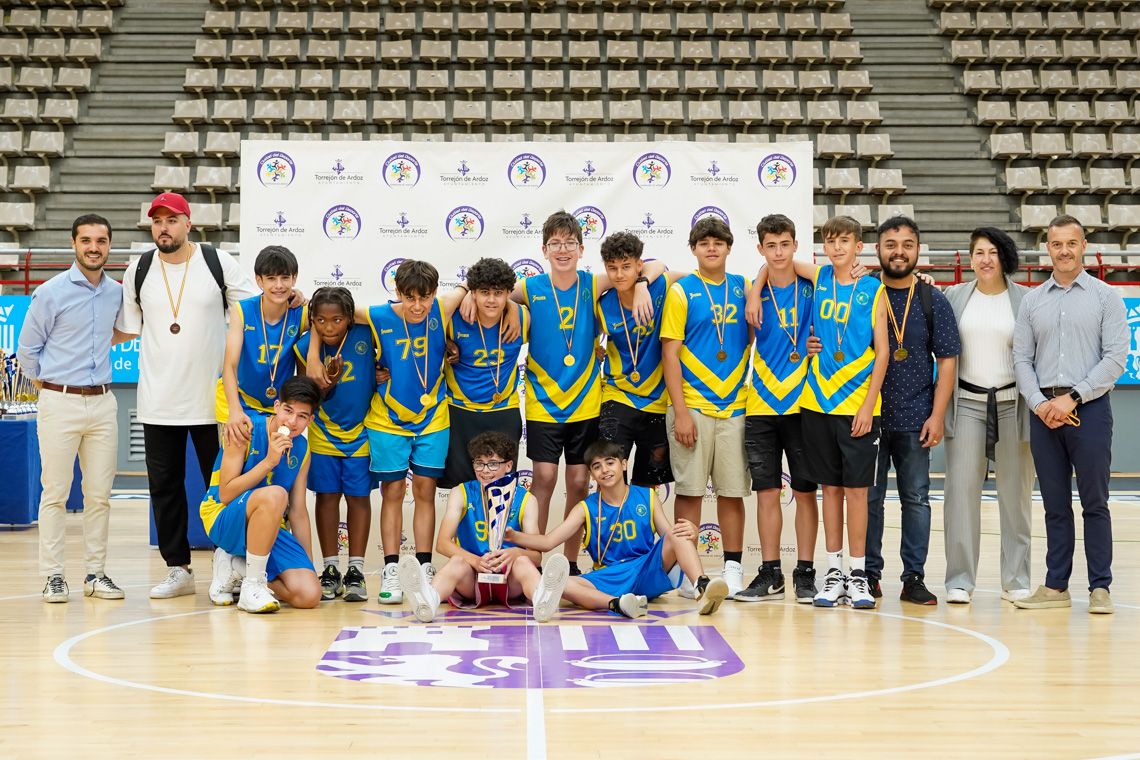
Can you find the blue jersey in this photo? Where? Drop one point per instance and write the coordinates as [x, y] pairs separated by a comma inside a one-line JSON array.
[[486, 365], [260, 346], [338, 427], [471, 533], [403, 348], [777, 381], [284, 474], [648, 391], [556, 391], [625, 532]]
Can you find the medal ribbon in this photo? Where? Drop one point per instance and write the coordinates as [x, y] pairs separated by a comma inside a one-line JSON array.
[[719, 327], [265, 337], [577, 289], [617, 524], [794, 338], [427, 334], [634, 349], [174, 308], [496, 370], [891, 313], [835, 300]]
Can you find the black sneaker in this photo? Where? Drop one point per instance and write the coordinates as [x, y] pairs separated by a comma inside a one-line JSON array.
[[915, 591], [355, 589], [331, 584], [803, 581], [574, 569], [768, 584], [873, 583]]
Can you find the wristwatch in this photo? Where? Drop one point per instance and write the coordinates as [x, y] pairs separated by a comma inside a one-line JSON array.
[[1075, 396], [642, 278]]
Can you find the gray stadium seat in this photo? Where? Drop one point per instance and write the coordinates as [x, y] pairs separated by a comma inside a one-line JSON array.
[[1065, 179], [240, 80], [270, 112], [171, 179], [349, 113], [230, 112], [1036, 217], [1047, 145], [223, 145], [1089, 216], [834, 146], [1090, 145], [1006, 146], [31, 179], [310, 112], [509, 112], [1024, 180], [1109, 181], [873, 146], [887, 182], [823, 112], [181, 145], [433, 81]]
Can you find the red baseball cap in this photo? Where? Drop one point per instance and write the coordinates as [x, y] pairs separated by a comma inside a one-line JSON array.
[[172, 201]]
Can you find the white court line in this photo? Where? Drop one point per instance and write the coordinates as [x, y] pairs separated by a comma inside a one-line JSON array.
[[683, 638], [573, 638], [535, 705], [629, 639]]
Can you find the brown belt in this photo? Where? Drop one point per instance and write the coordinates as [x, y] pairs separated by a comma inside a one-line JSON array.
[[1056, 391], [79, 390]]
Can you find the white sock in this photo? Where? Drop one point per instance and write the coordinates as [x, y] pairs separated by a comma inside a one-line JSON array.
[[238, 565], [331, 561], [835, 560], [255, 566], [357, 562], [859, 563]]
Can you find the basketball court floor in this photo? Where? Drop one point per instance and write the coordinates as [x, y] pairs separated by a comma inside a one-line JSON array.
[[181, 678]]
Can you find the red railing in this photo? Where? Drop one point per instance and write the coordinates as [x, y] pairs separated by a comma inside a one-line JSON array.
[[68, 256]]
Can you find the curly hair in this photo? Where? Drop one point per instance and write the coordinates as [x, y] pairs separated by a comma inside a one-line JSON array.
[[492, 274]]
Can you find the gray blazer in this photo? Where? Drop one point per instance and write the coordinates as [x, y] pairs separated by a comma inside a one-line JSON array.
[[959, 296]]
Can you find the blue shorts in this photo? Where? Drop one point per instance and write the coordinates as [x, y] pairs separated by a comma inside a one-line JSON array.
[[346, 475], [393, 454], [642, 575], [228, 534]]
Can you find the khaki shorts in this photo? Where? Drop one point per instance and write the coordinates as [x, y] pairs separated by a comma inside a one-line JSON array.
[[719, 452]]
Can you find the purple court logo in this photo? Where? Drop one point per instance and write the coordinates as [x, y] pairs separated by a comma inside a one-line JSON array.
[[777, 172], [526, 171], [276, 169], [526, 268], [508, 656], [342, 223], [593, 222], [388, 275], [716, 211], [464, 223], [401, 170], [708, 541], [651, 171]]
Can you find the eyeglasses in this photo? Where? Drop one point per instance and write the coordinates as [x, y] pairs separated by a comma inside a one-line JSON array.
[[491, 466], [571, 246]]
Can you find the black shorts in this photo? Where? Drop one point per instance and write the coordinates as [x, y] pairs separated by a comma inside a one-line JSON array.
[[628, 427], [465, 425], [833, 457], [767, 439], [545, 441]]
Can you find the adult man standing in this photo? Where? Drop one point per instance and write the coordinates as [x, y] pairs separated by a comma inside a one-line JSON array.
[[1069, 347], [180, 360], [65, 348], [922, 333]]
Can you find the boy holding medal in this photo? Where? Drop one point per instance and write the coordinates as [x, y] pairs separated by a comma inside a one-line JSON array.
[[253, 370], [337, 437], [705, 356]]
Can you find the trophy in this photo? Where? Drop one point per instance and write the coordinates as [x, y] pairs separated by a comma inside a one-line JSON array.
[[497, 498]]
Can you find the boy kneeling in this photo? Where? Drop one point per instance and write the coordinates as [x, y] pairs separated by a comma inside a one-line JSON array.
[[631, 566], [464, 539], [254, 489]]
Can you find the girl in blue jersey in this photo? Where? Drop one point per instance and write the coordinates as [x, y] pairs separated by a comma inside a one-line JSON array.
[[638, 555]]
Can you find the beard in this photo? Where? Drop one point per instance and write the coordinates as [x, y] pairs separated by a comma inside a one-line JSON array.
[[79, 259], [172, 246], [897, 270]]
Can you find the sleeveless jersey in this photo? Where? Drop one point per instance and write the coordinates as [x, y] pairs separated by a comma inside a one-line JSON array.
[[835, 387], [777, 381], [396, 406], [624, 536], [284, 474], [556, 392], [471, 380], [471, 534], [648, 393], [338, 428], [256, 359], [712, 387]]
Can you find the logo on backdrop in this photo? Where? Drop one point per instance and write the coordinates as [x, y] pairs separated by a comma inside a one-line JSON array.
[[777, 172], [708, 541], [342, 223], [401, 170], [388, 275], [652, 225], [651, 171], [400, 225], [338, 174], [527, 268], [282, 225], [716, 211], [465, 224], [526, 171], [588, 175], [593, 222], [464, 174], [337, 277], [276, 169], [522, 227], [715, 174]]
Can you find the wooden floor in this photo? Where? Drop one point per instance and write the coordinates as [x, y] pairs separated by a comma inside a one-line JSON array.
[[183, 679]]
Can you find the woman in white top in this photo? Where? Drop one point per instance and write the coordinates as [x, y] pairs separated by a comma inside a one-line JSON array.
[[987, 420]]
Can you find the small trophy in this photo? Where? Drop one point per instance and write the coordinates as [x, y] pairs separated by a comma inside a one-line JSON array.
[[499, 496]]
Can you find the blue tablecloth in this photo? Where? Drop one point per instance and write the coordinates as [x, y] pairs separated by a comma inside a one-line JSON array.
[[20, 474], [195, 493]]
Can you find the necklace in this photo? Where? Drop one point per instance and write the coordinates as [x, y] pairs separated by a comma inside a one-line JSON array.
[[271, 391], [425, 399], [497, 367], [900, 352], [569, 360], [721, 355], [616, 525], [794, 357], [839, 355], [174, 326], [634, 348]]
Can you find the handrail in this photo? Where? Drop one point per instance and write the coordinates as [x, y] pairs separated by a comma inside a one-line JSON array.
[[27, 282]]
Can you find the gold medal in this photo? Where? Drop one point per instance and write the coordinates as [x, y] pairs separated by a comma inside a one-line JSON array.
[[174, 328], [795, 357], [900, 331], [721, 356], [840, 356], [425, 399], [792, 336], [496, 397], [271, 392], [634, 347], [900, 354], [635, 376], [333, 367], [174, 307], [568, 361]]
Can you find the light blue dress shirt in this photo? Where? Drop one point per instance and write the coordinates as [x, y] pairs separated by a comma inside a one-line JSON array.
[[66, 337]]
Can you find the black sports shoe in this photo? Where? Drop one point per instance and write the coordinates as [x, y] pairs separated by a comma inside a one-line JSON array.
[[873, 583], [768, 584], [574, 569], [331, 584], [355, 590], [803, 581], [915, 591]]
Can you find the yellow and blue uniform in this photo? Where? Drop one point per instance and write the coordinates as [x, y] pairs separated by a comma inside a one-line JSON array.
[[471, 380], [402, 430], [839, 387], [255, 364], [225, 523], [624, 546], [471, 533], [648, 393], [777, 381], [711, 386], [556, 392], [337, 437]]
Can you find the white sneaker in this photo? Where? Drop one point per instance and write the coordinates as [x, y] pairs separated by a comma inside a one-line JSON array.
[[178, 582], [226, 579], [390, 592], [55, 590], [859, 591], [834, 591], [1016, 594], [687, 589], [414, 583], [715, 593], [548, 592], [102, 587], [734, 577], [256, 596], [633, 606], [958, 596], [429, 571]]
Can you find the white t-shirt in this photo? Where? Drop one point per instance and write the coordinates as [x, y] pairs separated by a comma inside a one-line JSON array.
[[986, 329], [178, 374]]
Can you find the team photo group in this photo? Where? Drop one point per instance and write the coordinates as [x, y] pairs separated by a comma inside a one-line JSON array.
[[707, 379]]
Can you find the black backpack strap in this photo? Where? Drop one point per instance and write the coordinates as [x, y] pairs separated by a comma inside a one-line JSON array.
[[210, 255], [926, 298], [140, 273]]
